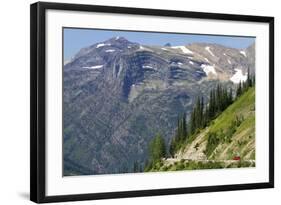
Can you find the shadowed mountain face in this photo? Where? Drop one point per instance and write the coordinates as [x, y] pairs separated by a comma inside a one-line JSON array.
[[119, 94]]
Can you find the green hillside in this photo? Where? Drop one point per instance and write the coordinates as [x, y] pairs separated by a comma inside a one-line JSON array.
[[228, 141], [235, 128]]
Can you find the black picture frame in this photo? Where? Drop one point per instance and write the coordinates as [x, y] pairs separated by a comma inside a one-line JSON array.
[[38, 101]]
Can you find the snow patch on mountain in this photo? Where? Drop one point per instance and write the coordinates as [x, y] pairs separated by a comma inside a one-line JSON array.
[[238, 76], [109, 50], [147, 66], [102, 44], [207, 48], [93, 67], [66, 62], [146, 48], [208, 69], [183, 49], [243, 53]]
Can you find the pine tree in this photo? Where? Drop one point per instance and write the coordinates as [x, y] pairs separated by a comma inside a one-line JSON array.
[[157, 148], [192, 122], [250, 79], [197, 113], [181, 134], [172, 148], [230, 97], [206, 116], [184, 128], [202, 120], [239, 90], [211, 105]]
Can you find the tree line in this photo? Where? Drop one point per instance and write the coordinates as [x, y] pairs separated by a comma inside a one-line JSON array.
[[219, 99]]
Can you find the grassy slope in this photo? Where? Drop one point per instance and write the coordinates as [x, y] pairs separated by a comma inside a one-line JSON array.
[[243, 140], [241, 143]]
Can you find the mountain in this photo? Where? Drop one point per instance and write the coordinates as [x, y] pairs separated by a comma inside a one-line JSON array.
[[118, 94], [231, 135]]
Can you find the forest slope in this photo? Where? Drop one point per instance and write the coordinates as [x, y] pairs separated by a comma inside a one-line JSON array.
[[229, 140]]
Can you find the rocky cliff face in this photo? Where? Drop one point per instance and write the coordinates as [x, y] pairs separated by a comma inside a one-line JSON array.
[[119, 94]]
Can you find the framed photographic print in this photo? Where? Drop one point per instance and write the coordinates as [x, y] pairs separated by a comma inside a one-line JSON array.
[[129, 102]]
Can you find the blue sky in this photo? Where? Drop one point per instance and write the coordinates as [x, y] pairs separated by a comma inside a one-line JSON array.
[[75, 39]]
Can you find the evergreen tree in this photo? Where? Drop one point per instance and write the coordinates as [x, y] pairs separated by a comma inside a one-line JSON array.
[[184, 128], [197, 113], [180, 135], [211, 107], [249, 78], [177, 136], [172, 148], [239, 90], [206, 116], [157, 148], [202, 121], [192, 122], [230, 97]]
